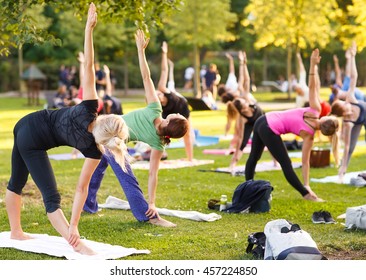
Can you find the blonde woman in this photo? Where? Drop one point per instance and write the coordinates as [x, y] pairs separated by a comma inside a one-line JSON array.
[[76, 126]]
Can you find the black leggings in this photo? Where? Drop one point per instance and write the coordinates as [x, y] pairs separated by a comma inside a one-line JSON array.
[[28, 159], [263, 136]]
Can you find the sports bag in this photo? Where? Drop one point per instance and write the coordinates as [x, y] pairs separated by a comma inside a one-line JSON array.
[[356, 217], [256, 245], [251, 196], [286, 241]]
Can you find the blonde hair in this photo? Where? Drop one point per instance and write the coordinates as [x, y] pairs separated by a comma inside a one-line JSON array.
[[111, 132]]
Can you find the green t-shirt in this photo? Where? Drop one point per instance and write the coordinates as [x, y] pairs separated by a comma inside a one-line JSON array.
[[141, 125]]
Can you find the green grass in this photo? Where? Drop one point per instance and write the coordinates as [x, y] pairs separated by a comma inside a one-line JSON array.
[[184, 189]]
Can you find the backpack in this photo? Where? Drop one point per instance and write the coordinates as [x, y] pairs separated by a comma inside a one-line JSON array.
[[251, 196], [286, 241], [257, 239], [356, 217]]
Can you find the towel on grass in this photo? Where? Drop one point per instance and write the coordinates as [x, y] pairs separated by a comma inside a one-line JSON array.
[[261, 166], [116, 203], [334, 179], [171, 164], [58, 247], [67, 156]]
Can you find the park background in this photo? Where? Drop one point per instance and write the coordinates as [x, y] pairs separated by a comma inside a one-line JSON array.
[[50, 33]]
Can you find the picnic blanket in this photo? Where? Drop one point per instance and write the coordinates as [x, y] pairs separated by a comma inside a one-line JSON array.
[[116, 203], [171, 164], [334, 179], [261, 166], [58, 247]]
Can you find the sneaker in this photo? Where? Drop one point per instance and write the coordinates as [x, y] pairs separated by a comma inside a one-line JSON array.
[[358, 181], [318, 218], [328, 217]]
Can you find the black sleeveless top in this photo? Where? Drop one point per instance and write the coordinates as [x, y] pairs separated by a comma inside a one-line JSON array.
[[66, 127], [175, 105], [257, 112]]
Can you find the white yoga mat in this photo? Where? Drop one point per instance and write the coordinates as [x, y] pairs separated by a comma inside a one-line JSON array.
[[116, 203], [58, 247], [67, 156], [171, 164], [334, 179], [261, 166]]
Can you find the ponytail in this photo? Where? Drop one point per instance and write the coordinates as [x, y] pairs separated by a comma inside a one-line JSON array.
[[111, 133]]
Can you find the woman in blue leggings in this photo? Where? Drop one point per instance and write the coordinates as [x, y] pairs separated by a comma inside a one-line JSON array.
[[148, 126]]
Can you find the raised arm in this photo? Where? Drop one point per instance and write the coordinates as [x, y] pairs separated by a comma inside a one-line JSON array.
[[108, 83], [141, 43], [89, 90], [314, 100], [231, 63], [353, 75], [337, 70], [81, 60], [301, 64], [348, 63], [244, 78], [164, 68]]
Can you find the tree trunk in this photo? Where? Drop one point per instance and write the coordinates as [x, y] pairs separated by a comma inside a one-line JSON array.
[[197, 78], [265, 66], [20, 66], [125, 78], [289, 71]]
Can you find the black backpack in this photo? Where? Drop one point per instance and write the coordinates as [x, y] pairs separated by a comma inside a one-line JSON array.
[[253, 196], [257, 239]]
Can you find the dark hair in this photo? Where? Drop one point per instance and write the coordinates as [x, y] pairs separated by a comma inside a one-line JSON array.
[[221, 89], [176, 128], [225, 98], [337, 108]]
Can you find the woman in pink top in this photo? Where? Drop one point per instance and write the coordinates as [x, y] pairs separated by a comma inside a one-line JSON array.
[[300, 121]]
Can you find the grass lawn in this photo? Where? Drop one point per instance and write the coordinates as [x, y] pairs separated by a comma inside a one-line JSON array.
[[185, 189]]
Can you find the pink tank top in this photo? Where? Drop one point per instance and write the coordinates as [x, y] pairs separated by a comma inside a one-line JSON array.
[[290, 121]]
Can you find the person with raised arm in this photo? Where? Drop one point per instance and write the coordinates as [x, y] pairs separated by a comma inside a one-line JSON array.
[[353, 112], [173, 102], [300, 121], [148, 126], [78, 127]]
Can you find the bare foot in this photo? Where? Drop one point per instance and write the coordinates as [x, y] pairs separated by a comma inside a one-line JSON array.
[[313, 198], [161, 222], [84, 250], [20, 236]]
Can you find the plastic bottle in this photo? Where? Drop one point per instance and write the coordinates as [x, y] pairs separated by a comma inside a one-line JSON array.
[[223, 202]]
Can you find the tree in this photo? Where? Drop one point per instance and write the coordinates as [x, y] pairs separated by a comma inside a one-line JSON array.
[[198, 24], [291, 24], [355, 28]]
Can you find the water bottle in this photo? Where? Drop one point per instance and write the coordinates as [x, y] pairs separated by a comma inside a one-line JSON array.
[[223, 202]]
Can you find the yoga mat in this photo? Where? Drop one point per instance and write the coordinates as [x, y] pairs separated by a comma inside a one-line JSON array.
[[200, 141], [334, 179], [261, 166], [58, 247], [171, 164], [65, 156], [116, 203], [227, 151]]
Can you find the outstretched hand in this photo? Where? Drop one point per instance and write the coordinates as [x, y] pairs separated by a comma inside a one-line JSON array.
[[92, 16], [164, 47], [229, 56], [106, 69], [315, 57], [353, 49], [141, 41], [242, 56]]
